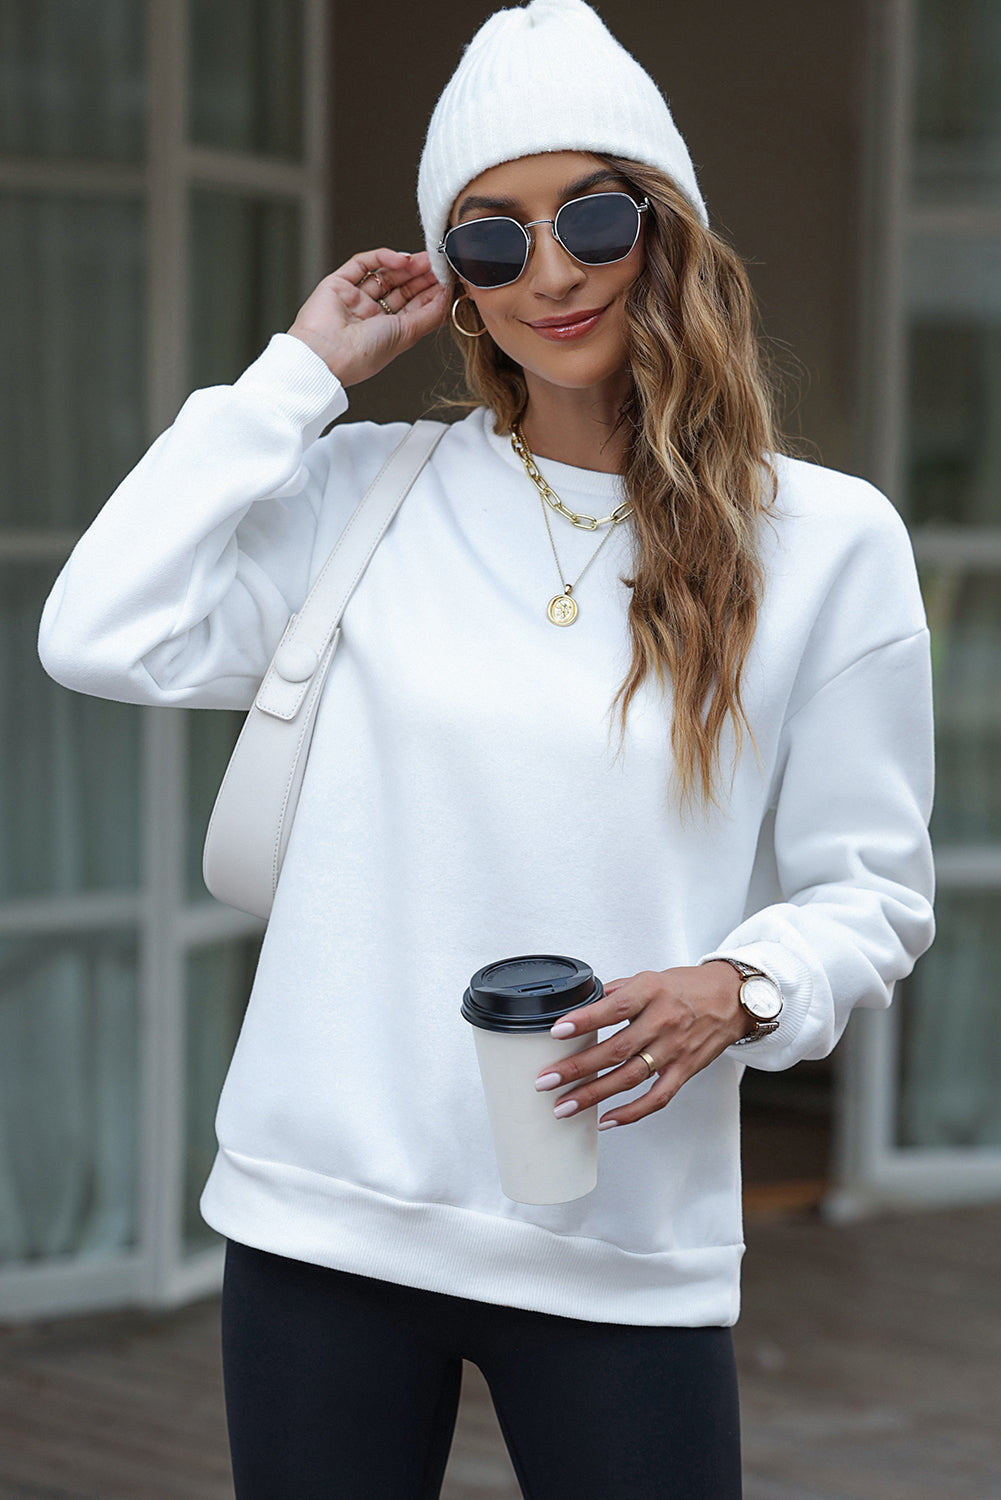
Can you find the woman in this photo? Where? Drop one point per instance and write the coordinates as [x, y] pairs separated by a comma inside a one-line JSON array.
[[686, 739]]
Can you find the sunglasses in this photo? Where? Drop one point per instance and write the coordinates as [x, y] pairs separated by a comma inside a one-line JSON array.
[[597, 231]]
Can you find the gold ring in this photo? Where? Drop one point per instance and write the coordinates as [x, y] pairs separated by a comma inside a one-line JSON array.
[[368, 275], [649, 1062], [385, 305]]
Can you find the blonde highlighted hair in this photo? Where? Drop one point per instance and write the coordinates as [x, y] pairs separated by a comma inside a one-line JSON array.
[[699, 473]]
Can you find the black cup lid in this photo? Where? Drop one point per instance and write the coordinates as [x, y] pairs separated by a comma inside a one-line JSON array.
[[528, 993]]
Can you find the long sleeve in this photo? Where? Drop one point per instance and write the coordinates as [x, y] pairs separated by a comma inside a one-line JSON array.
[[180, 589], [845, 842]]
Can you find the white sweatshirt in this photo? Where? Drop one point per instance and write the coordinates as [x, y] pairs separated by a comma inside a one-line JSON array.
[[464, 802]]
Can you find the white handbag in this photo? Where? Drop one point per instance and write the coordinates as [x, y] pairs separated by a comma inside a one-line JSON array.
[[255, 806]]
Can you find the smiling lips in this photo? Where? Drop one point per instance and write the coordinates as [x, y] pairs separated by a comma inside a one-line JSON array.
[[569, 326]]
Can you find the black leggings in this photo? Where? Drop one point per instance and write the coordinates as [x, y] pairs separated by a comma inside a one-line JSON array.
[[346, 1388]]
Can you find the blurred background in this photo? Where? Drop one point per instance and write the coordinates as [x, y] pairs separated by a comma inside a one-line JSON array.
[[174, 177]]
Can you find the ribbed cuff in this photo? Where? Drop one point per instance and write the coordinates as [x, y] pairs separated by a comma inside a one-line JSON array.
[[793, 978], [295, 381]]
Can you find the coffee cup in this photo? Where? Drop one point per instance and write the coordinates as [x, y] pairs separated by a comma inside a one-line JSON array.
[[511, 1006]]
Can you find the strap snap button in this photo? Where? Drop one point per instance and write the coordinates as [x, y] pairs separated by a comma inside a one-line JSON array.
[[295, 661]]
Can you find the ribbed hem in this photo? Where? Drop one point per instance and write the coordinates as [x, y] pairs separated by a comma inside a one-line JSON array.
[[440, 1248]]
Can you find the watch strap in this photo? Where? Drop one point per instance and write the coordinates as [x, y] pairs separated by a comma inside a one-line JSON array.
[[746, 971]]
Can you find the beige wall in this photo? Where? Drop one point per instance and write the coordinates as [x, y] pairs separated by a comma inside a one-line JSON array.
[[768, 97]]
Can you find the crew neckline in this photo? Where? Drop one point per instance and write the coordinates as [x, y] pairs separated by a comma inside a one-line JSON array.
[[562, 477]]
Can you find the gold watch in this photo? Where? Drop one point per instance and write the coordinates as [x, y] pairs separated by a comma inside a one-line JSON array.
[[760, 998]]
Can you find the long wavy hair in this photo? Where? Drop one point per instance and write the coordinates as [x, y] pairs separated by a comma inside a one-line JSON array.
[[699, 472]]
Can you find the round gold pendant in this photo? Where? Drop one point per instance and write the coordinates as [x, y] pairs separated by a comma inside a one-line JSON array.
[[562, 610]]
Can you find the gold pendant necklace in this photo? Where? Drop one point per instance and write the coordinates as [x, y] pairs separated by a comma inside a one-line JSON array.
[[562, 608]]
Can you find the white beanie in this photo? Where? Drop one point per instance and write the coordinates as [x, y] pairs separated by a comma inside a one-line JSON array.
[[546, 77]]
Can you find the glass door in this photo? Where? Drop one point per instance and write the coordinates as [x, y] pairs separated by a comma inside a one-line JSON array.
[[162, 181], [923, 1110]]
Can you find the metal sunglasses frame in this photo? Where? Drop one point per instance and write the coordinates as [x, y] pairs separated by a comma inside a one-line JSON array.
[[506, 219]]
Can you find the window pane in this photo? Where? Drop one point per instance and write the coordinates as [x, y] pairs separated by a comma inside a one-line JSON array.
[[954, 444], [957, 101], [954, 278], [211, 737], [72, 78], [218, 984], [245, 281], [964, 611], [69, 1068], [69, 766], [71, 355], [247, 75], [951, 1021]]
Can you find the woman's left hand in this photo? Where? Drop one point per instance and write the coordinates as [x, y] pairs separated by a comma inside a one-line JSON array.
[[683, 1018]]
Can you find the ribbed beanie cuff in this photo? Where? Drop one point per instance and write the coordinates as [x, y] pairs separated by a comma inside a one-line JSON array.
[[546, 77]]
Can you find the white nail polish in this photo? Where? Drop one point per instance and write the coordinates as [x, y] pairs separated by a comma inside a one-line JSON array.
[[562, 1029], [568, 1107], [607, 1124], [547, 1081]]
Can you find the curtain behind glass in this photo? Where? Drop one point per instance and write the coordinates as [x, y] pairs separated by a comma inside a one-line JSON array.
[[72, 378], [69, 767], [955, 407], [72, 78], [246, 88], [964, 611], [245, 280], [957, 126], [68, 1096], [951, 1051]]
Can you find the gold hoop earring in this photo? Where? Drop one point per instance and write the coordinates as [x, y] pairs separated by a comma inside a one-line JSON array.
[[458, 326]]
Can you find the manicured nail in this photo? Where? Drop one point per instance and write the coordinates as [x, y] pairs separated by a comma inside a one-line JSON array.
[[547, 1081], [562, 1029], [568, 1107], [607, 1124]]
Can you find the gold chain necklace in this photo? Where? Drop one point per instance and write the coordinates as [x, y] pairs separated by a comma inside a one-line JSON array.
[[562, 608], [586, 523]]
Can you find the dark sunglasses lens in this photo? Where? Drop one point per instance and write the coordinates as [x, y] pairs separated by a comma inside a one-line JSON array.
[[487, 252], [599, 229]]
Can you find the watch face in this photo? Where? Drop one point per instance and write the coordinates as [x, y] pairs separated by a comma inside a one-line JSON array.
[[761, 997]]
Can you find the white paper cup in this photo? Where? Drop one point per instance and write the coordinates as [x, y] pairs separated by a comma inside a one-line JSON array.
[[540, 1159], [512, 1005]]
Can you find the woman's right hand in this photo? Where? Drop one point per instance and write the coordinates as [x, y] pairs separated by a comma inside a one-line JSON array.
[[344, 323]]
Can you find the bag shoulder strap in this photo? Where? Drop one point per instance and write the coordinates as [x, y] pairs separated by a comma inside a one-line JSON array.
[[309, 632]]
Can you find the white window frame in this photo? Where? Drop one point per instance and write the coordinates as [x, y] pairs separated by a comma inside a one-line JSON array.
[[871, 1169], [158, 1272]]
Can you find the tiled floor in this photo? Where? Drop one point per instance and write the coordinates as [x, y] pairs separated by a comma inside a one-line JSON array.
[[869, 1358]]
